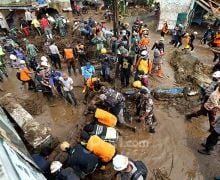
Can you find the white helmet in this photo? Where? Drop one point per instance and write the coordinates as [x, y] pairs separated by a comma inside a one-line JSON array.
[[22, 62], [44, 64], [12, 57], [120, 162], [195, 33], [55, 166], [144, 53], [216, 74], [43, 58]]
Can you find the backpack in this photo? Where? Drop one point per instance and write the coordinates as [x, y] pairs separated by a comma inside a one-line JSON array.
[[141, 170], [18, 75]]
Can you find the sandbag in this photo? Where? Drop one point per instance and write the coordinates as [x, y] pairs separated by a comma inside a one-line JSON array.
[[100, 148], [105, 117]]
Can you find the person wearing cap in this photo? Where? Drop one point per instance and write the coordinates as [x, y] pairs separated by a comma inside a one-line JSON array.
[[55, 55], [186, 40], [43, 74], [159, 45], [164, 29], [192, 38], [212, 139], [210, 108], [25, 75], [129, 169], [79, 158], [143, 63], [106, 65], [69, 57], [143, 30], [144, 109], [59, 173], [67, 84]]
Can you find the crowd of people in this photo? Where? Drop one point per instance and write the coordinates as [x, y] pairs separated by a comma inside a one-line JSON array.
[[126, 57]]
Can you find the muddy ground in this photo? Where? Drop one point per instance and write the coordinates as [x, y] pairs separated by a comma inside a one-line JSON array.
[[170, 153]]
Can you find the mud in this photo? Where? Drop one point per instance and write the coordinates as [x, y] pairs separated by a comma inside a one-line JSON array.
[[170, 153]]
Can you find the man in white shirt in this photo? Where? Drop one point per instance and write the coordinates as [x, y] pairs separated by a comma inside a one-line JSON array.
[[67, 83], [28, 17], [55, 55]]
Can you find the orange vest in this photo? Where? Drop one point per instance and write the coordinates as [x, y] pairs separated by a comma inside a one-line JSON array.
[[90, 82], [105, 117], [24, 74], [164, 29], [186, 42], [100, 148], [68, 54], [144, 41], [217, 39]]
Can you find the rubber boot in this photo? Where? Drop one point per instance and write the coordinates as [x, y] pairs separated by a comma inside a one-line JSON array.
[[150, 67], [159, 73]]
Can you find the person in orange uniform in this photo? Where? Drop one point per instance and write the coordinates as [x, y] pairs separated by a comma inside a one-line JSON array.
[[217, 39], [164, 29], [186, 40], [145, 41], [25, 75], [68, 55]]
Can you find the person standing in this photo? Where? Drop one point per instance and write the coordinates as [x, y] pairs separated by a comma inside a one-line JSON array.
[[68, 55], [164, 29], [157, 61], [212, 139], [67, 83], [36, 25], [210, 108], [55, 55], [46, 27], [145, 107], [88, 71], [28, 17], [32, 52], [129, 169], [192, 38], [186, 40]]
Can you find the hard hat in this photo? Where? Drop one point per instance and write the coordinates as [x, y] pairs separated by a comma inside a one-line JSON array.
[[55, 166], [144, 53], [135, 33], [144, 91], [120, 162], [216, 74], [103, 51], [22, 62], [43, 58], [195, 33], [126, 24], [137, 84], [44, 64], [123, 32], [161, 39], [12, 57], [187, 34], [64, 145]]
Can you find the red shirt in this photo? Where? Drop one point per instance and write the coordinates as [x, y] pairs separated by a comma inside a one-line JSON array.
[[44, 23]]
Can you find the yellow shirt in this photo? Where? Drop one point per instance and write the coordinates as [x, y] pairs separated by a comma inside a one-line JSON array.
[[36, 23]]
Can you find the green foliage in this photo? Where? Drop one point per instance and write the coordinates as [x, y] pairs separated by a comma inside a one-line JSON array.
[[145, 2]]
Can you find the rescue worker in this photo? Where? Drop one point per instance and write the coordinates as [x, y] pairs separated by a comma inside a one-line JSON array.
[[208, 35], [159, 45], [143, 64], [108, 134], [25, 75], [104, 150], [210, 108], [54, 83], [157, 61], [62, 174], [106, 65], [46, 27], [186, 40], [178, 36], [79, 158], [129, 169], [145, 107], [32, 53], [125, 66], [68, 55], [114, 101], [61, 25], [28, 17], [164, 29], [192, 38], [212, 139], [81, 54], [51, 21], [99, 40], [67, 84], [92, 85], [134, 46], [24, 27], [143, 30], [55, 55], [36, 25], [216, 42], [144, 42]]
